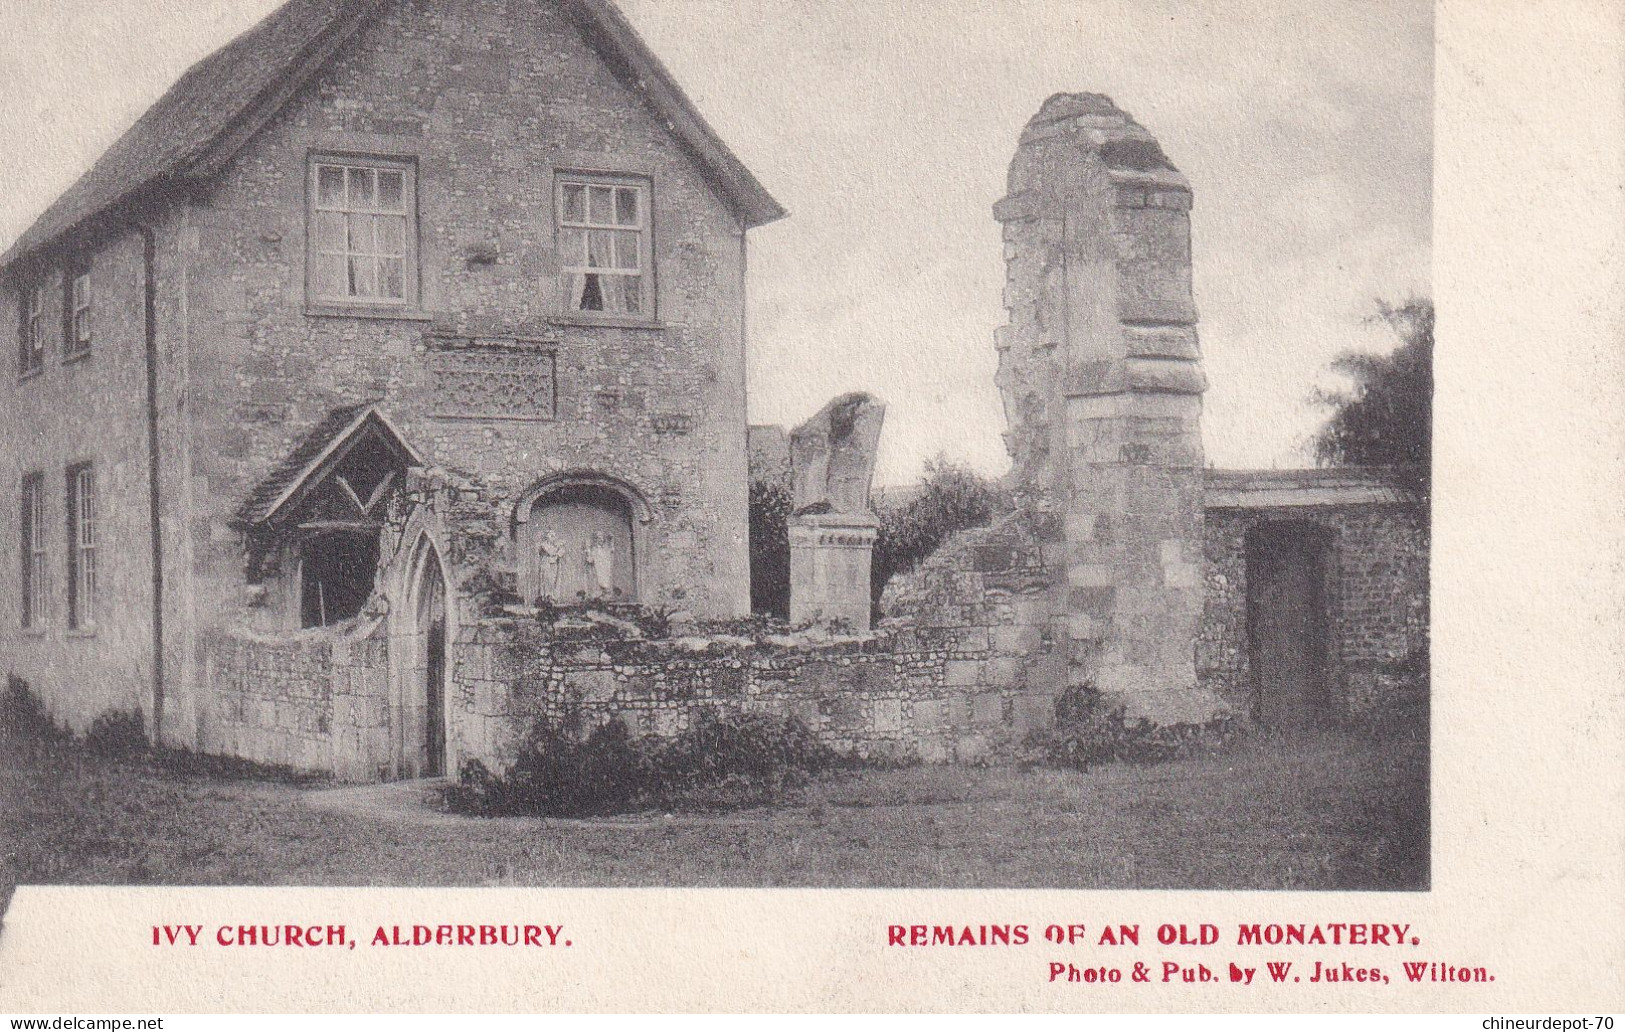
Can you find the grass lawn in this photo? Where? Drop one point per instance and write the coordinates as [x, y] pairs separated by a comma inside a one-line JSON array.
[[1332, 810]]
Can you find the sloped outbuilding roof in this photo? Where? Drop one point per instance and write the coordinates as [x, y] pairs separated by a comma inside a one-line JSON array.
[[315, 455], [223, 100]]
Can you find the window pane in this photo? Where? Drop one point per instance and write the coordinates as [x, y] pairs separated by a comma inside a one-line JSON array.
[[81, 327], [632, 294], [626, 206], [329, 276], [572, 247], [602, 201], [363, 277], [330, 186], [592, 293], [81, 291], [575, 202], [330, 231], [391, 235], [626, 250], [600, 253], [361, 239], [392, 278], [87, 588], [391, 190], [361, 192]]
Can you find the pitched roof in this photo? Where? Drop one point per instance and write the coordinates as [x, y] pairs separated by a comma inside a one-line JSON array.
[[219, 104], [320, 450]]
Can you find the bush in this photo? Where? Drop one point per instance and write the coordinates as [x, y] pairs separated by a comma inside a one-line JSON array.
[[23, 715], [1088, 731], [951, 498], [117, 733], [770, 549], [718, 762]]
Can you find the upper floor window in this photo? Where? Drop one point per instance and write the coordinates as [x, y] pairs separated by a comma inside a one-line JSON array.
[[363, 233], [32, 551], [81, 546], [31, 331], [76, 309], [604, 255]]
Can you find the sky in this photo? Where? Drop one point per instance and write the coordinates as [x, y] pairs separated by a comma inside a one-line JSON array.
[[1304, 127]]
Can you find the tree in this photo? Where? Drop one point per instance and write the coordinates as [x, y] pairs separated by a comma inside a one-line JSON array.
[[950, 498], [1385, 419], [770, 549]]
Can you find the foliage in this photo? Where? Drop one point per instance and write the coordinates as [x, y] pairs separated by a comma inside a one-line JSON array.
[[770, 549], [721, 761], [117, 733], [1090, 731], [951, 498], [596, 620], [1386, 418], [23, 715]]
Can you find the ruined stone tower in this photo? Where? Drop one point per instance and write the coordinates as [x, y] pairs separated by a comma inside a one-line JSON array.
[[1102, 387]]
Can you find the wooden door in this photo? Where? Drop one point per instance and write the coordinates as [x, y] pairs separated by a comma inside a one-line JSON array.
[[432, 625], [1287, 624]]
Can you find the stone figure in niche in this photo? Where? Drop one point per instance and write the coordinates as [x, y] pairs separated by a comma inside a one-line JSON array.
[[549, 558], [601, 562], [832, 456]]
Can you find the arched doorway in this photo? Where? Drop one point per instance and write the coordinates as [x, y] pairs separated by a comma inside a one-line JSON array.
[[576, 544], [1288, 623], [426, 740]]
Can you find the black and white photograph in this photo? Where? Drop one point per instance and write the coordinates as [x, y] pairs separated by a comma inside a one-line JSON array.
[[600, 443]]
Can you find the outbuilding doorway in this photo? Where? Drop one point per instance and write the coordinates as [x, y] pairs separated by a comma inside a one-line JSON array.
[[1288, 623]]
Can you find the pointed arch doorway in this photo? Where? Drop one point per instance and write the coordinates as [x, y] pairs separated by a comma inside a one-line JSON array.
[[424, 747]]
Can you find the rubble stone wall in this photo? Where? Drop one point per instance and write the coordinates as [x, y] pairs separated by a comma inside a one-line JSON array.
[[1377, 600], [316, 701]]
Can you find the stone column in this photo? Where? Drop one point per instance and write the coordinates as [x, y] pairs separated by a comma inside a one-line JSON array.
[[1100, 374], [829, 569], [832, 529]]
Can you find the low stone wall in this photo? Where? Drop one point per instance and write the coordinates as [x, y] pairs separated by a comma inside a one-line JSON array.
[[934, 693], [313, 701], [968, 662]]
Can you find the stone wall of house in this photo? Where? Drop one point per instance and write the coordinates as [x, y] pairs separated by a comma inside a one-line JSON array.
[[315, 701], [488, 374], [84, 407], [1377, 599]]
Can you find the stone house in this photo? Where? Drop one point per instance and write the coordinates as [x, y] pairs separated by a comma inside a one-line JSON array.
[[386, 308]]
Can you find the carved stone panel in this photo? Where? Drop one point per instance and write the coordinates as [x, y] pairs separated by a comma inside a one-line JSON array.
[[494, 380]]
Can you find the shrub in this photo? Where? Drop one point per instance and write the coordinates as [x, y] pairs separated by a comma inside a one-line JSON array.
[[23, 715], [951, 498], [1088, 731], [719, 762], [770, 549], [117, 733]]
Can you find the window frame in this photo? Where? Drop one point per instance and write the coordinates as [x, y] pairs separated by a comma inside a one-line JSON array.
[[31, 328], [33, 595], [73, 345], [81, 511], [411, 275], [565, 288]]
